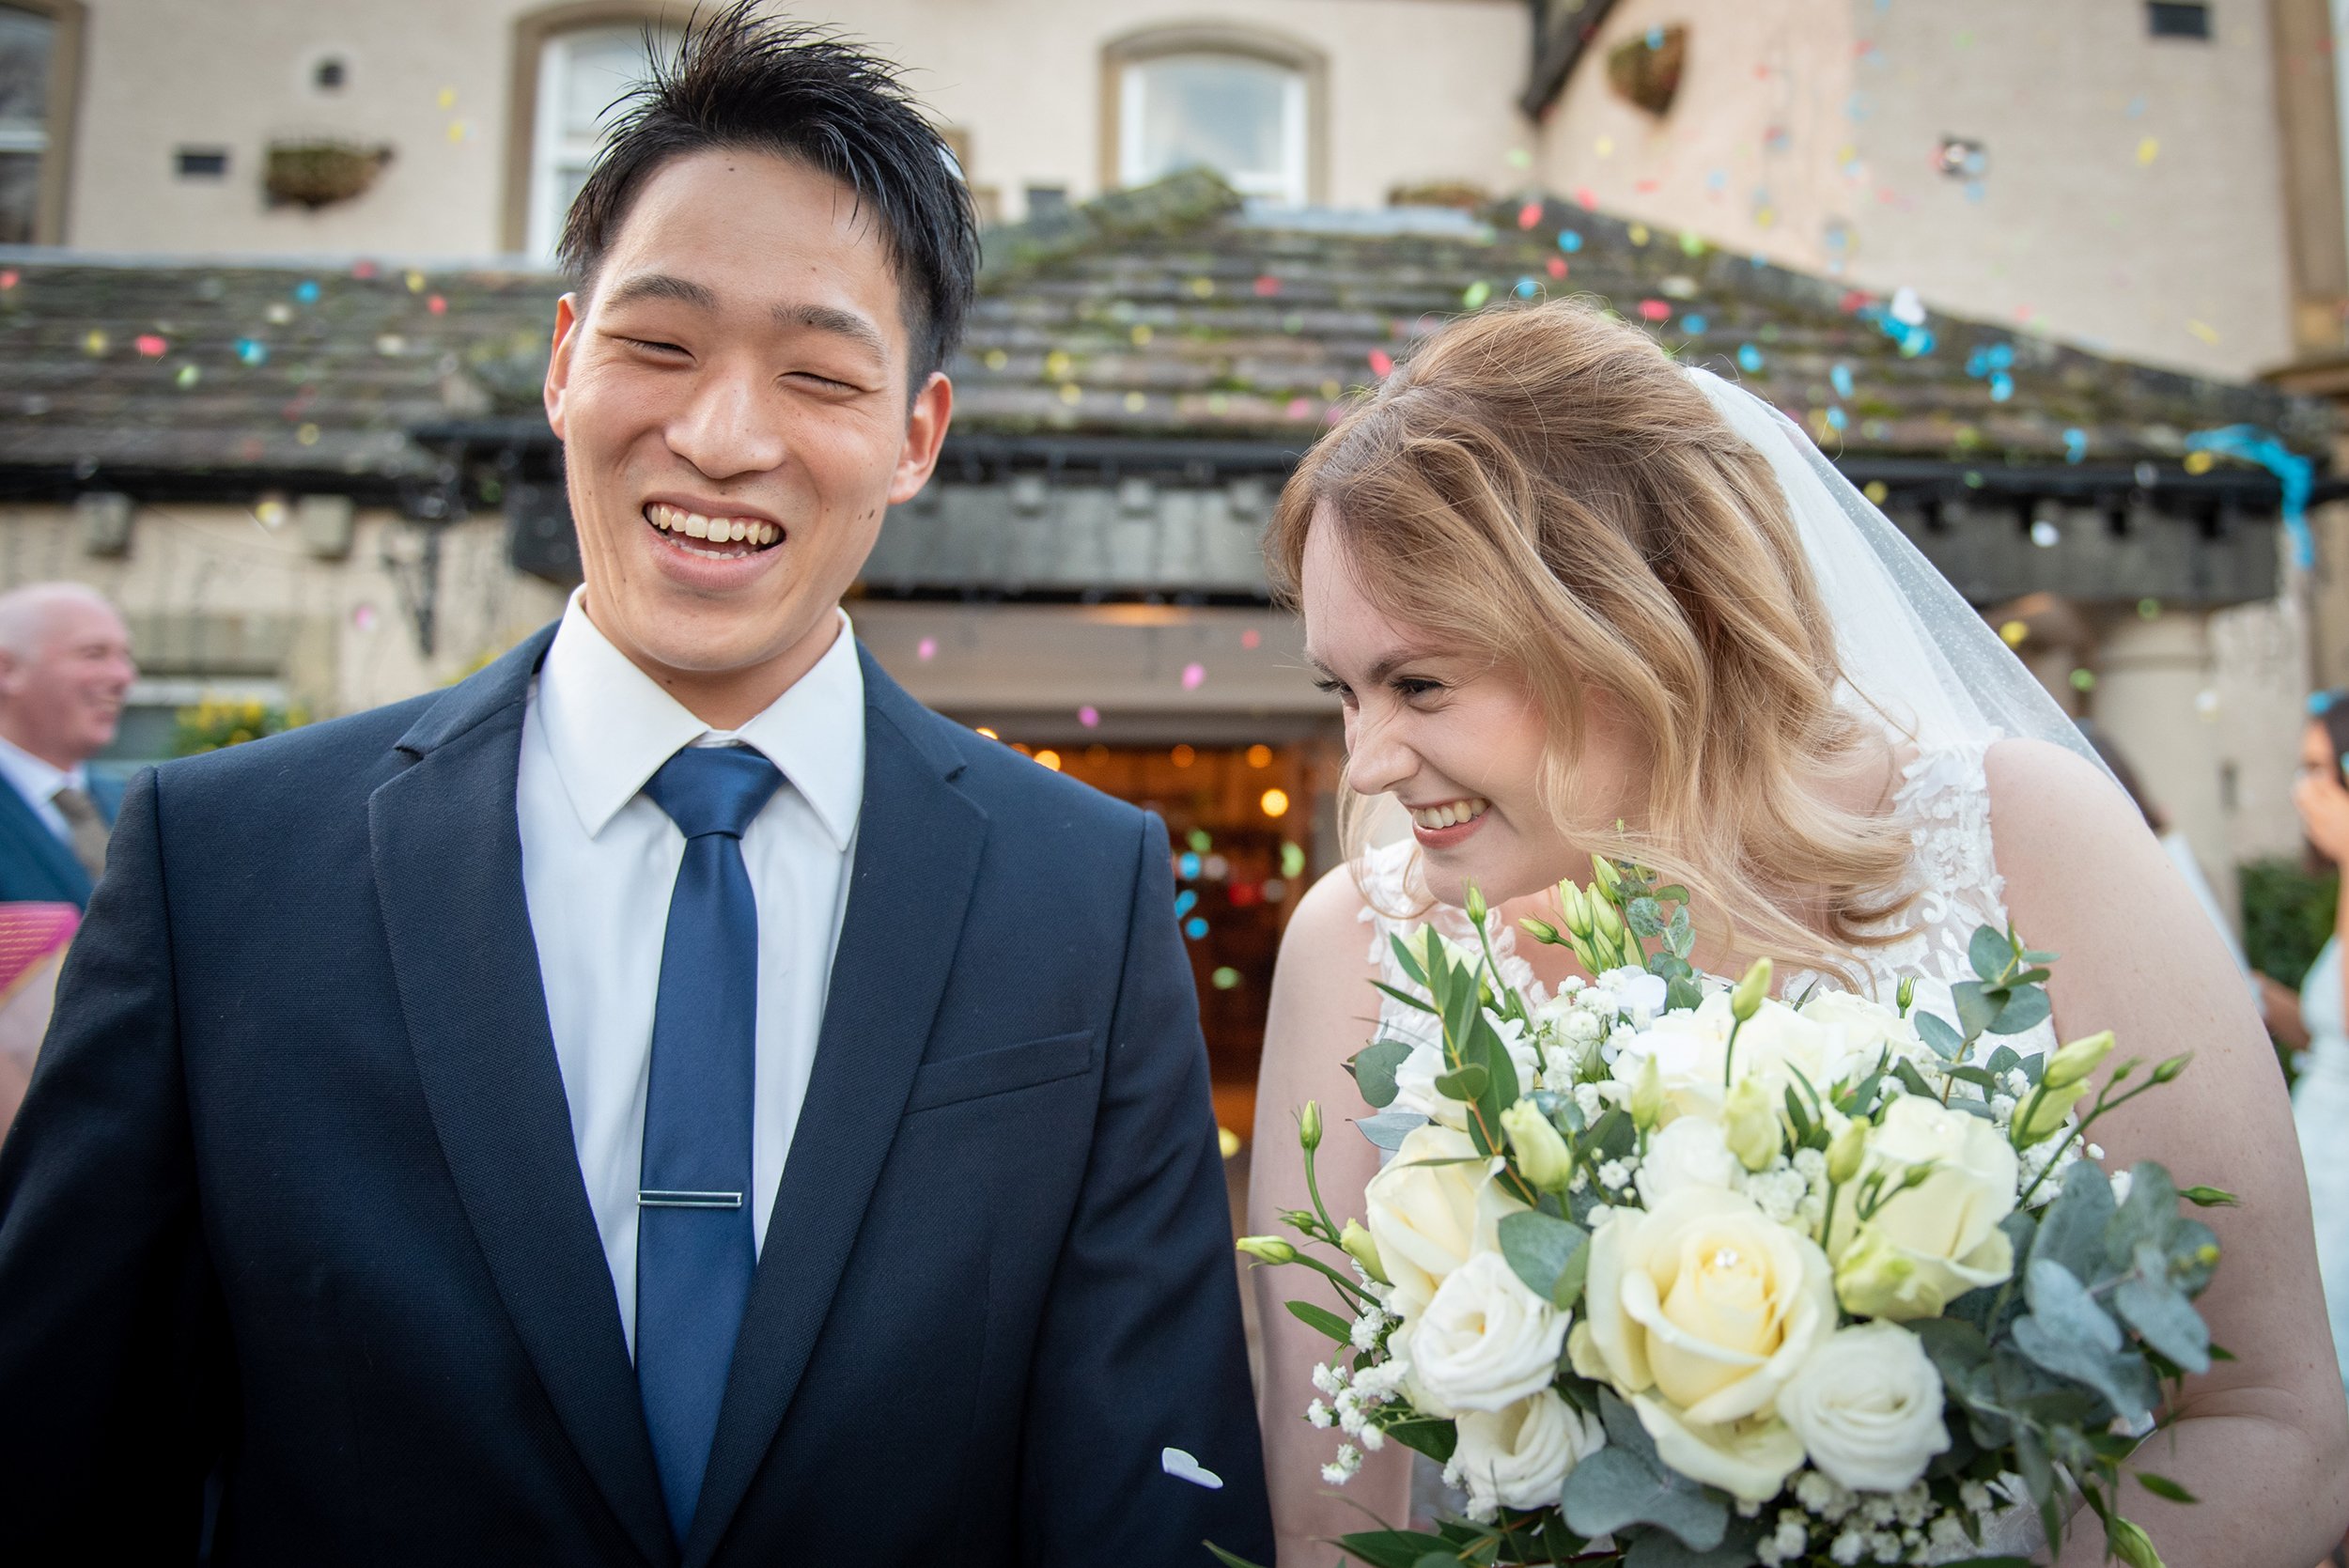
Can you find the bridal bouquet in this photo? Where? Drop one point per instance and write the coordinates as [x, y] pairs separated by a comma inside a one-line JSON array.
[[1669, 1274]]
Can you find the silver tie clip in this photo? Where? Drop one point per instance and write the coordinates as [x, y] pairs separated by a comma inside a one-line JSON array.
[[660, 1199]]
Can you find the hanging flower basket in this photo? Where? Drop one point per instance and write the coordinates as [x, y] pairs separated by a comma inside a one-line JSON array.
[[317, 174], [1646, 71]]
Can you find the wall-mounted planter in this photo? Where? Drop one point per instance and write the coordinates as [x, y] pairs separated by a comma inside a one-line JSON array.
[[316, 174]]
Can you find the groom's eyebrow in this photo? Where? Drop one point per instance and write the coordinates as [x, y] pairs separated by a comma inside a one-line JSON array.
[[663, 286]]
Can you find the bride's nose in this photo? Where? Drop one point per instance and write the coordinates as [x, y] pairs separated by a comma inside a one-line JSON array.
[[1376, 761]]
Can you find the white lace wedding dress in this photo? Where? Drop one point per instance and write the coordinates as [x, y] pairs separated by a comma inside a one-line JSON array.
[[1956, 887]]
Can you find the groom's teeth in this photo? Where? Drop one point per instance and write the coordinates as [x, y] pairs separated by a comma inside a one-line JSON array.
[[677, 521], [1451, 814]]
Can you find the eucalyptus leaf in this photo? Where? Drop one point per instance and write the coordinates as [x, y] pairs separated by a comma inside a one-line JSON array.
[[1373, 1070], [1644, 918], [1616, 1488], [1978, 1005], [2026, 1009], [1680, 934], [2067, 1333], [1911, 1079], [2149, 1304], [2150, 1214], [1661, 1549], [1683, 993], [1539, 1247], [2072, 1228], [1387, 1129], [1625, 1431], [1945, 1041], [2003, 1060], [1463, 1083], [1990, 952]]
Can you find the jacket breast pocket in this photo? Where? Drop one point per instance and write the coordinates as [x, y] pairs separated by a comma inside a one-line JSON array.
[[1000, 1071]]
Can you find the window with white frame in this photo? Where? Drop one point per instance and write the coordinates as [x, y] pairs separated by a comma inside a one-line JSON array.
[[27, 41], [1239, 115], [581, 77]]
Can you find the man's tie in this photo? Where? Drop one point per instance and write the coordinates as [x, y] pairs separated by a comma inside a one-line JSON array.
[[694, 1247], [88, 830]]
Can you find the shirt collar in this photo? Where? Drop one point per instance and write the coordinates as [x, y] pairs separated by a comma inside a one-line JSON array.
[[610, 726], [39, 780]]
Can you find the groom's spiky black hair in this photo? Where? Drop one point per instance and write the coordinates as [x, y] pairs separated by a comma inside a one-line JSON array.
[[741, 80]]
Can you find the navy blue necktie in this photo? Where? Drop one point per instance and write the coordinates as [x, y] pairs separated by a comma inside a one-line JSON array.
[[694, 1247]]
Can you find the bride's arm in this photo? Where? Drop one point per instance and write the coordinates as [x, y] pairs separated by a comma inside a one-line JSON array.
[[1322, 1011], [2262, 1440]]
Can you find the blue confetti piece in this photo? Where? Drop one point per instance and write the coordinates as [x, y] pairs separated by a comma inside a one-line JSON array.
[[2074, 445], [1569, 240], [1195, 927], [307, 291], [2001, 386], [1656, 38], [1694, 323], [1749, 357], [2136, 106], [1185, 902], [2320, 703], [1973, 191], [251, 350], [1526, 288], [1837, 419], [1189, 866], [2296, 473], [1841, 376]]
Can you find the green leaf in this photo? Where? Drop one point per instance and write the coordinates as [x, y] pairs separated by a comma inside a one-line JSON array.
[[1389, 1129], [1463, 1083], [2003, 1060], [2026, 1009], [1990, 953], [1644, 918], [1978, 1005], [1227, 1558], [1616, 1488], [1322, 1319], [1373, 1070], [2070, 1335], [1980, 1078], [1682, 993], [1659, 1549], [1540, 1249], [2149, 1214], [1911, 1079], [1612, 1136], [1504, 1087], [1680, 934], [1426, 1435], [1405, 998], [1408, 960], [2209, 1197], [1945, 1041], [2162, 1486], [2149, 1304], [1396, 1548], [1447, 1559], [1796, 1117], [1671, 893], [2072, 1228]]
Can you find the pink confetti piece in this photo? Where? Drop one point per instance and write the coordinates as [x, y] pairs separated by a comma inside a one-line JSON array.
[[1586, 199], [1089, 716], [1530, 214], [150, 345], [1299, 408], [926, 649], [1654, 310], [7, 279], [1266, 287], [1250, 637], [1194, 676], [1382, 362], [362, 268], [1557, 266], [437, 305]]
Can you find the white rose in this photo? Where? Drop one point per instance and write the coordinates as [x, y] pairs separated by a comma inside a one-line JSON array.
[[1691, 1052], [1415, 1075], [1698, 1311], [1521, 1458], [1637, 992], [1867, 1406], [1932, 1243], [1692, 1152], [1860, 1030], [1484, 1341], [1426, 1219]]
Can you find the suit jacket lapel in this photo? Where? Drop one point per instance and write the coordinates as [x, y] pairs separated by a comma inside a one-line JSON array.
[[448, 855], [918, 846], [19, 821]]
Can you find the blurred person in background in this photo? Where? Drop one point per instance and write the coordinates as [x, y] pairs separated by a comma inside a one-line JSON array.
[[2317, 1017], [64, 669], [33, 938]]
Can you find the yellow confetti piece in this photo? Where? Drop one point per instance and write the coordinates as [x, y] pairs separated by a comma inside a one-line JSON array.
[[457, 130], [1202, 288], [1136, 402], [2199, 462], [189, 375], [449, 97], [94, 344], [2204, 330], [415, 283], [1141, 334], [1329, 391], [997, 359], [1056, 365], [1764, 216], [1070, 392], [1878, 491], [1227, 1140], [307, 435], [1637, 233], [2014, 632], [1606, 147], [2147, 149], [1475, 294]]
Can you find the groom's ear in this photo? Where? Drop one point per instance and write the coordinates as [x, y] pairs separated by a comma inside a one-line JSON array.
[[558, 379], [925, 432]]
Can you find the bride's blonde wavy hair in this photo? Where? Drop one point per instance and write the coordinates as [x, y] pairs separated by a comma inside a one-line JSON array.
[[1543, 486]]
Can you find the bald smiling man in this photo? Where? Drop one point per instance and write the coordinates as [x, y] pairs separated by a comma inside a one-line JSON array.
[[64, 669]]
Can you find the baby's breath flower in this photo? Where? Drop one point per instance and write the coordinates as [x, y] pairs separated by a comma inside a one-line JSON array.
[[1318, 1414], [1341, 1470]]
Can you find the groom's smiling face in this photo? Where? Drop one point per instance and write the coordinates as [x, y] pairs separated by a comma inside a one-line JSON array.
[[732, 392]]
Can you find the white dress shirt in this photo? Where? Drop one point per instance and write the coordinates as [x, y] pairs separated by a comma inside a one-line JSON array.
[[38, 783], [599, 859]]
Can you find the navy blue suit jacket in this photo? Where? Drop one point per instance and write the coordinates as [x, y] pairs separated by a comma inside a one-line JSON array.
[[35, 865], [293, 1196]]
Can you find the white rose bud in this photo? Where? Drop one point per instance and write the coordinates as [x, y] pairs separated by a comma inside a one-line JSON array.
[[1484, 1342], [1867, 1406], [1521, 1458]]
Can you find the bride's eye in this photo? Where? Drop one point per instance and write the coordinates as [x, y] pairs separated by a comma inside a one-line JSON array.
[[1411, 689], [1330, 685]]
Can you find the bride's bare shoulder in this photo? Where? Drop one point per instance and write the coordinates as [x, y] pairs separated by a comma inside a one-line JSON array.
[[2045, 798]]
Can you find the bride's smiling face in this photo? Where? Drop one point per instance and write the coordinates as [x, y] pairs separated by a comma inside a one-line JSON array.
[[1456, 739]]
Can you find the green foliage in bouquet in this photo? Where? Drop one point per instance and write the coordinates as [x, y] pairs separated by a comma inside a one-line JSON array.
[[2035, 1362]]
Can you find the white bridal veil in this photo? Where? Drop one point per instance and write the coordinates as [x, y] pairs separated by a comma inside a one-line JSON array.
[[1910, 645]]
